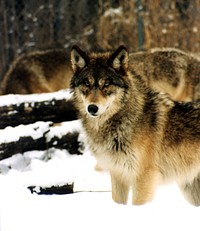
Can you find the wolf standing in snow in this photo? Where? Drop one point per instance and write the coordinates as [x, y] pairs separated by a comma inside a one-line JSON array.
[[141, 137]]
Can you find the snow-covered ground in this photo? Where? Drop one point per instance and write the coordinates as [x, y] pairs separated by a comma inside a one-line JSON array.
[[84, 210], [15, 99]]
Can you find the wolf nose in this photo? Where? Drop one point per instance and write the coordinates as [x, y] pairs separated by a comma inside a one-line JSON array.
[[93, 109]]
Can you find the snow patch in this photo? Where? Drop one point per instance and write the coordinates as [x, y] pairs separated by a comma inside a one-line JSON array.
[[67, 127], [12, 134], [14, 99], [113, 11]]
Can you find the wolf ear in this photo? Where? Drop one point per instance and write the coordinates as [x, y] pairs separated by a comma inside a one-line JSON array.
[[78, 58], [119, 59]]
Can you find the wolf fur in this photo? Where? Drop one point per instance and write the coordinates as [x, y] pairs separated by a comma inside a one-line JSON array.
[[142, 137], [37, 72], [169, 70]]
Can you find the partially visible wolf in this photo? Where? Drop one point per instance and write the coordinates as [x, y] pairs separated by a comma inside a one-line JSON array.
[[169, 70], [38, 72], [142, 137]]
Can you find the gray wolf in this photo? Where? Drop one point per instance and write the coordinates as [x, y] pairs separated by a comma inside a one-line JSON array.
[[169, 70], [38, 72], [142, 137]]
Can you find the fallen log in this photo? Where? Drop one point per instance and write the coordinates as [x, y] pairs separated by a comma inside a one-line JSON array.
[[67, 188], [27, 109], [41, 136]]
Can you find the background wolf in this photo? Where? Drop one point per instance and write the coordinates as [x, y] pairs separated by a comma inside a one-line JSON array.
[[37, 72], [167, 70], [141, 137]]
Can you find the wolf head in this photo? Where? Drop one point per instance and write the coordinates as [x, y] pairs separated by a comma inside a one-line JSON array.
[[99, 78]]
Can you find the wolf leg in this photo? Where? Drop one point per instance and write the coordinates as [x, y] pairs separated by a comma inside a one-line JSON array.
[[120, 189], [144, 187], [191, 190]]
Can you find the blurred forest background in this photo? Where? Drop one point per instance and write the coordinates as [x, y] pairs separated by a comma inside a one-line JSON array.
[[27, 25]]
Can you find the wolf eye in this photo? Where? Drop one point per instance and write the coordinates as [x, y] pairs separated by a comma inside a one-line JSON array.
[[87, 83], [107, 83]]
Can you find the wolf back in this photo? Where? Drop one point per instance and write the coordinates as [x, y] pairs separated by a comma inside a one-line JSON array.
[[38, 72], [169, 70]]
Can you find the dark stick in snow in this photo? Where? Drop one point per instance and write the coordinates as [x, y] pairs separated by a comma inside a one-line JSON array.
[[63, 188], [55, 189]]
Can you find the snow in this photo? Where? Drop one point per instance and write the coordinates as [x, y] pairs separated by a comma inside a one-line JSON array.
[[10, 134], [113, 12], [90, 207], [67, 127], [13, 99]]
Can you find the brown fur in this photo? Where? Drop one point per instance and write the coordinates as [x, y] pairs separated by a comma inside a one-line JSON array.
[[169, 70], [143, 138], [37, 72]]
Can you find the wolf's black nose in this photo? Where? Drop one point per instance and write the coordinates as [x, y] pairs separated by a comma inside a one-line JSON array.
[[93, 109]]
